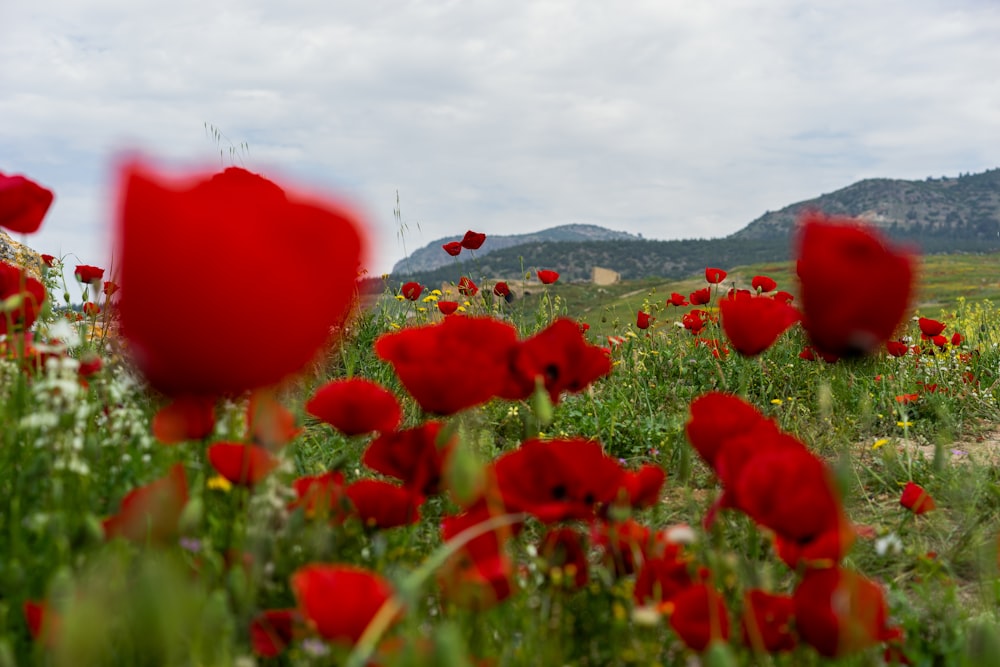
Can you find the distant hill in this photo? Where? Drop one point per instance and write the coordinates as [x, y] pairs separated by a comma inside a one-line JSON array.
[[944, 215], [431, 256], [966, 208]]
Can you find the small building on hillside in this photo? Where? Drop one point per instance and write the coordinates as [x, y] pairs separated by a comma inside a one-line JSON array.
[[602, 276]]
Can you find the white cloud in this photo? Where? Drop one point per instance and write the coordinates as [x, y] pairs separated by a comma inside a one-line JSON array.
[[672, 119]]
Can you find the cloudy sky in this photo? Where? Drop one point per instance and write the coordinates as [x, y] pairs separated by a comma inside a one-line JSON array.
[[670, 118]]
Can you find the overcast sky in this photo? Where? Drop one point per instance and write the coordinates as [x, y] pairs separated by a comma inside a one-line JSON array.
[[669, 118]]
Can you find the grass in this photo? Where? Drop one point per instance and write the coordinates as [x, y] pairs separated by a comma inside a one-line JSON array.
[[69, 454]]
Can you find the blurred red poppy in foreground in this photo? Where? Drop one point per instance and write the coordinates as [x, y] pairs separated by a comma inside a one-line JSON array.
[[547, 277], [262, 276], [699, 616], [472, 240], [355, 406], [272, 631], [916, 499], [767, 621], [753, 323], [150, 513], [13, 282], [839, 612], [187, 418], [23, 204], [339, 601], [855, 288], [243, 465]]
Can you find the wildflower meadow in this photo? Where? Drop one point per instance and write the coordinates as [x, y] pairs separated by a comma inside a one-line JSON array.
[[230, 456]]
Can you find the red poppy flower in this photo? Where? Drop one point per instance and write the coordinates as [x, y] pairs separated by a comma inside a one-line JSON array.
[[150, 513], [956, 339], [272, 631], [714, 276], [49, 260], [896, 348], [693, 321], [754, 323], [473, 240], [447, 307], [855, 289], [501, 289], [625, 545], [839, 612], [676, 300], [110, 287], [547, 277], [906, 399], [930, 328], [557, 480], [476, 584], [269, 423], [339, 601], [823, 550], [14, 281], [455, 364], [662, 577], [940, 341], [763, 284], [321, 496], [243, 465], [186, 418], [642, 319], [699, 616], [412, 456], [90, 363], [381, 504], [42, 621], [479, 574], [91, 309], [789, 490], [716, 417], [411, 290], [916, 499], [701, 296], [642, 488], [311, 252], [563, 548], [88, 274], [355, 406], [561, 356], [767, 620], [453, 248], [466, 287], [784, 297], [23, 204]]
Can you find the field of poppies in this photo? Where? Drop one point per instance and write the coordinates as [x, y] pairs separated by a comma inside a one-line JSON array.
[[227, 458]]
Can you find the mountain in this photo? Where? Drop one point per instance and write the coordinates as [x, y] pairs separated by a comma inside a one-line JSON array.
[[966, 208], [431, 256], [936, 215]]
